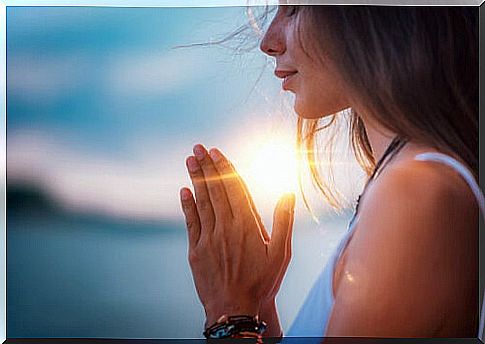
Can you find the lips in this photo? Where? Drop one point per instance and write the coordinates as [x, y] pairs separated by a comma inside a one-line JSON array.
[[287, 76], [284, 73]]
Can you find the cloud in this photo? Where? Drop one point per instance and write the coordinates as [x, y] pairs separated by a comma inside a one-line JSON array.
[[86, 182], [156, 73], [45, 78]]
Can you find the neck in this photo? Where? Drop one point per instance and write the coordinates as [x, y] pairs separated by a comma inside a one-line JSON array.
[[379, 137]]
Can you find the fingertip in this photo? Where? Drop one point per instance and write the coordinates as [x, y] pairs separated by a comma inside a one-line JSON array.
[[185, 194], [215, 154], [287, 202], [291, 200], [199, 151], [198, 146], [288, 196], [192, 164]]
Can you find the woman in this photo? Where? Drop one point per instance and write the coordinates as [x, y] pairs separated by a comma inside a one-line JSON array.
[[408, 265]]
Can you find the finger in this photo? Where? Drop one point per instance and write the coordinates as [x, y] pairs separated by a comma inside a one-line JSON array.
[[282, 220], [289, 236], [255, 211], [236, 195], [203, 203], [212, 178], [191, 216], [283, 266], [236, 189]]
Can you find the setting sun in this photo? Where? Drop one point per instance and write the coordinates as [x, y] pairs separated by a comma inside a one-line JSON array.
[[269, 167]]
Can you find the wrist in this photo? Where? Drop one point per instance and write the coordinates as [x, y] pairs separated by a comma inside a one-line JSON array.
[[213, 313], [268, 303], [269, 314]]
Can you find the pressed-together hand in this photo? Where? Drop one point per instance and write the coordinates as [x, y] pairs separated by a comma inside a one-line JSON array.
[[237, 267]]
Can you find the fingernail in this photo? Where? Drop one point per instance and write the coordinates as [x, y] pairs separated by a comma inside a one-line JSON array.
[[185, 194], [192, 164], [215, 155], [199, 152]]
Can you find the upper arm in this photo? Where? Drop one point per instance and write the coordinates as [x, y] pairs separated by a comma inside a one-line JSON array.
[[405, 261]]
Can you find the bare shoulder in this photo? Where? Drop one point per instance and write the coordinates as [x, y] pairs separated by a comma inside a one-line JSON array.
[[426, 188], [417, 199], [416, 232]]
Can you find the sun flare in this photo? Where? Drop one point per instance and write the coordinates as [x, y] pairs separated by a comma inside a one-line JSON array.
[[269, 166]]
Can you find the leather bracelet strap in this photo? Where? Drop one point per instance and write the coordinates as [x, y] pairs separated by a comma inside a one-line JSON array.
[[237, 326]]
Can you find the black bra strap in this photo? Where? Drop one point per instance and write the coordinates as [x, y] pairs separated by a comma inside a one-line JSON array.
[[394, 147]]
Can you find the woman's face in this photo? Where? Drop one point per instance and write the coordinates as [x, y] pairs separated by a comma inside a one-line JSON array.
[[318, 89]]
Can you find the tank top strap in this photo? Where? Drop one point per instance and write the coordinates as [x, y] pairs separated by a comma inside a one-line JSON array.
[[461, 169], [472, 183]]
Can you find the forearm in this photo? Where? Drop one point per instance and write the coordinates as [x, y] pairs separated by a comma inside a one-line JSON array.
[[269, 314]]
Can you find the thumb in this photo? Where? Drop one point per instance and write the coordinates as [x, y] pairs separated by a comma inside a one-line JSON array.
[[282, 223]]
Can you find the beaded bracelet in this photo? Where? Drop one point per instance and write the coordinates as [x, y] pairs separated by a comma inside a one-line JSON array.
[[236, 326]]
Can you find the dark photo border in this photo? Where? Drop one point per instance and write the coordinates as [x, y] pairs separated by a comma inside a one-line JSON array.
[[481, 9]]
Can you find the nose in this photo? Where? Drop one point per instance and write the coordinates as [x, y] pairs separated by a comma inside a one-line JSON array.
[[273, 42]]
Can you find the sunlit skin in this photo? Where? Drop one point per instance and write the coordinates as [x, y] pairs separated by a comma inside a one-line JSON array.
[[402, 273], [223, 227]]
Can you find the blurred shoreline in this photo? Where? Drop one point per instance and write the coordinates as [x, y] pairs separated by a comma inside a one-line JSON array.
[[33, 200]]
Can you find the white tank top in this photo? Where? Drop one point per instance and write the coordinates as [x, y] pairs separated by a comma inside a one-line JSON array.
[[313, 316]]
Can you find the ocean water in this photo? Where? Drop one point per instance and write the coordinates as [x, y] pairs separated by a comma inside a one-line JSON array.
[[71, 275]]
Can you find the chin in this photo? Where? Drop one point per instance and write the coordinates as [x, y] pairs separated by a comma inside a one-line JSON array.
[[311, 110], [307, 112]]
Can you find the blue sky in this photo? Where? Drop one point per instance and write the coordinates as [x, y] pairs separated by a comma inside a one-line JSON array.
[[102, 110], [108, 73]]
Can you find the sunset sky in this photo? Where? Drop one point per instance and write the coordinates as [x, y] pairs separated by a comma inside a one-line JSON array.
[[102, 110]]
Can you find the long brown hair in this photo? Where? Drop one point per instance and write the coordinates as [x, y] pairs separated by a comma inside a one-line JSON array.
[[414, 70]]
